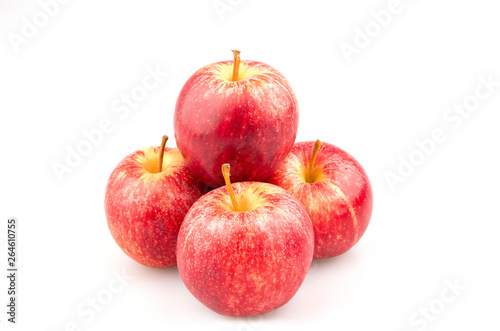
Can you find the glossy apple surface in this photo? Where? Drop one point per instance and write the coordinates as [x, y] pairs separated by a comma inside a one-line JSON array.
[[145, 208], [251, 123], [249, 262], [337, 194]]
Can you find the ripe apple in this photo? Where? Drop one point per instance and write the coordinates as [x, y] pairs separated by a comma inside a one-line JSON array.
[[335, 190], [245, 252], [145, 206], [239, 112]]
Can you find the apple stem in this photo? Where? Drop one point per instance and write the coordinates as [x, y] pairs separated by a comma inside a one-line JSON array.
[[310, 170], [236, 64], [162, 151], [225, 172]]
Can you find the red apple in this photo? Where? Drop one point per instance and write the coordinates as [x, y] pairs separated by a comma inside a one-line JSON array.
[[245, 252], [248, 119], [335, 190], [145, 207]]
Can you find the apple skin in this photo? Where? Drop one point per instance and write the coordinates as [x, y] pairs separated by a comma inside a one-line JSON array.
[[145, 209], [250, 123], [245, 263], [339, 203]]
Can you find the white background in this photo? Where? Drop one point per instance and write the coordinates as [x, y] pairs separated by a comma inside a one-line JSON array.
[[438, 226]]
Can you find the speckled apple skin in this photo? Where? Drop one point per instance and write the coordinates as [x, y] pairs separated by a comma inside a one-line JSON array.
[[251, 123], [245, 263], [340, 206], [144, 211]]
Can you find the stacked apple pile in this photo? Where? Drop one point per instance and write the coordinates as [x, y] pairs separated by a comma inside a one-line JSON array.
[[241, 248]]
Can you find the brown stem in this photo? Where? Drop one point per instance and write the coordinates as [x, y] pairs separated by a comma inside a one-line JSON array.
[[225, 172], [310, 169], [162, 150], [236, 65]]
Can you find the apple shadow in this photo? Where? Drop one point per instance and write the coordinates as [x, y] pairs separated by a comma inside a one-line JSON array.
[[166, 297], [157, 280], [317, 295], [310, 300], [169, 300]]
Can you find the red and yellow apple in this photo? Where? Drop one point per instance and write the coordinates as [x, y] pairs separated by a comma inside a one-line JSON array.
[[245, 248], [334, 189], [239, 112], [147, 196]]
